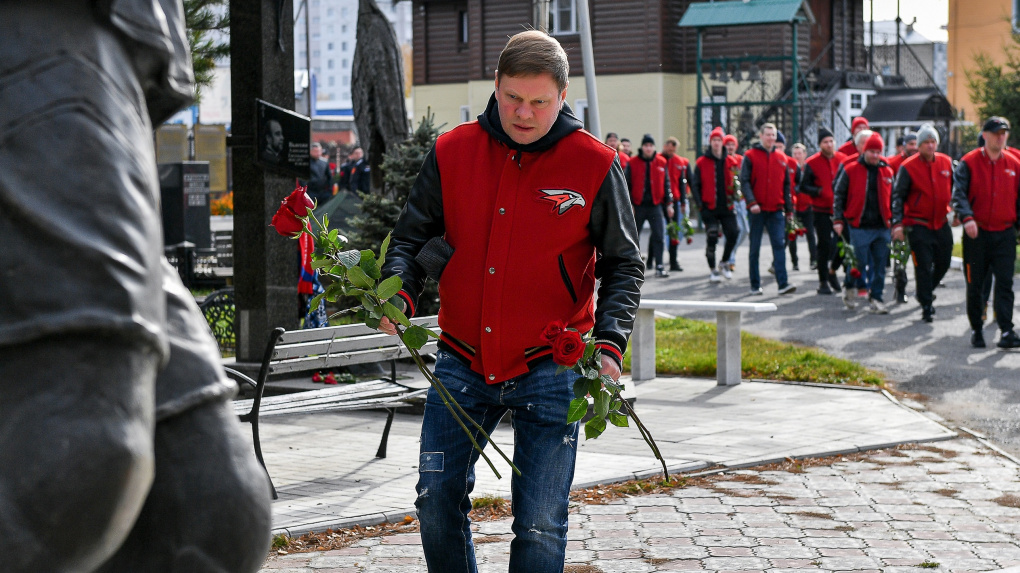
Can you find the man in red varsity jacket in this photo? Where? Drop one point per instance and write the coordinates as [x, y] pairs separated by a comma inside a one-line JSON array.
[[535, 210], [920, 204], [679, 171], [850, 147], [765, 182], [910, 147], [862, 200], [816, 182], [986, 197], [651, 197], [714, 191]]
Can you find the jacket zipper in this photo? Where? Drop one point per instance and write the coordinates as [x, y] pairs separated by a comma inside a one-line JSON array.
[[566, 280]]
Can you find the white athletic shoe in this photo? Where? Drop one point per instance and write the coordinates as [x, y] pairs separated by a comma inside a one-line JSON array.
[[877, 307], [849, 296], [714, 277], [724, 268]]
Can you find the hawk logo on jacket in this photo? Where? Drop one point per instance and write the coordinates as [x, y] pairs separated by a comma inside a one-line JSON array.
[[562, 199]]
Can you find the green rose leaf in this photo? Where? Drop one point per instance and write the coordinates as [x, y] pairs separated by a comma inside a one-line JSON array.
[[581, 388], [577, 410], [602, 400], [333, 235], [393, 313], [594, 428], [370, 266], [589, 350], [389, 287], [359, 278], [372, 322], [415, 337], [385, 247], [319, 263], [314, 303], [349, 259], [619, 420], [594, 386]]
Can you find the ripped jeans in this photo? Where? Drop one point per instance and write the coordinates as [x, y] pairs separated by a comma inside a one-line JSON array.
[[545, 448]]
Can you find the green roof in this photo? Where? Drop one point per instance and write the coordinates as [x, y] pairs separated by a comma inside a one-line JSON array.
[[745, 13]]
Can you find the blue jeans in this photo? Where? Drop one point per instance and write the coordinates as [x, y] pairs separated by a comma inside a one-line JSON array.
[[740, 210], [775, 223], [872, 249], [545, 448]]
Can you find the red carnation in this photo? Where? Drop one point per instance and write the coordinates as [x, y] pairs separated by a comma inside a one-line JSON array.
[[854, 273], [330, 379], [552, 331], [568, 348]]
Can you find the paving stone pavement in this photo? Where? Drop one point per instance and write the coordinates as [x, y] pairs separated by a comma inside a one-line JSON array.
[[954, 504], [325, 471]]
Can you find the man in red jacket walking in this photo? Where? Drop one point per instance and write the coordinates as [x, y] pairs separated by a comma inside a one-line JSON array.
[[856, 126], [533, 208], [863, 201], [816, 182], [765, 182], [714, 192], [920, 203], [679, 171], [986, 197], [651, 197]]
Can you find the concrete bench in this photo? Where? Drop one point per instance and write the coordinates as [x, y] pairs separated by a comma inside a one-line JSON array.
[[642, 342], [320, 349]]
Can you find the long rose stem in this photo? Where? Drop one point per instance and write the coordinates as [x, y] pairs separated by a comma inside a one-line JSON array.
[[440, 387], [648, 438]]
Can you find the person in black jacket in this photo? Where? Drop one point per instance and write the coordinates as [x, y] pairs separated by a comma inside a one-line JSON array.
[[320, 183], [713, 191]]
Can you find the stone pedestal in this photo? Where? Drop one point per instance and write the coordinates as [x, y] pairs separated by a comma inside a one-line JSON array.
[[266, 265]]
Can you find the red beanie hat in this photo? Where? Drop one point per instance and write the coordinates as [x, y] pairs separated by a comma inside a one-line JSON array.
[[874, 142], [858, 122], [717, 132], [726, 140]]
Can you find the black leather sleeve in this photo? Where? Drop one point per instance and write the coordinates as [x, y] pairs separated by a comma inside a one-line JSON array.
[[961, 187], [788, 193], [808, 183], [619, 267], [696, 187], [900, 190], [420, 220], [745, 181], [839, 186]]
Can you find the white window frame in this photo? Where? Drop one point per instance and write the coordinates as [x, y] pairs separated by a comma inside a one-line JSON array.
[[556, 9], [465, 113]]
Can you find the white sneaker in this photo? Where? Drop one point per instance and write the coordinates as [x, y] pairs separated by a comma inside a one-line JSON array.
[[849, 296], [714, 277], [724, 268], [877, 307]]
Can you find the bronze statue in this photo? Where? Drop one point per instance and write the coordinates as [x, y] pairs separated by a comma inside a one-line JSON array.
[[118, 447]]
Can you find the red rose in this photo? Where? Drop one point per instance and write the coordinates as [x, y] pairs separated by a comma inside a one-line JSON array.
[[791, 236], [330, 379], [287, 220], [316, 377], [552, 331], [690, 240], [801, 232], [854, 273], [568, 348], [674, 242]]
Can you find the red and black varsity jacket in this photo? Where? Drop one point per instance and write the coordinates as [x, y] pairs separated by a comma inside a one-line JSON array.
[[764, 179], [635, 175], [819, 174], [922, 191], [704, 184], [848, 148], [987, 191], [526, 224], [851, 191], [678, 169]]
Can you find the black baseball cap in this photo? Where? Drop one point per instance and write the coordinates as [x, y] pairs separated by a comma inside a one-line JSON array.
[[996, 124]]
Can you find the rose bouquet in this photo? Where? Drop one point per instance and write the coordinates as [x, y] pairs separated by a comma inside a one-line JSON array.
[[357, 274], [571, 351], [849, 256], [899, 251], [794, 229], [673, 231]]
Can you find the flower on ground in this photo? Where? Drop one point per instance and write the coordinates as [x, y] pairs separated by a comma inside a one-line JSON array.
[[330, 379], [316, 377]]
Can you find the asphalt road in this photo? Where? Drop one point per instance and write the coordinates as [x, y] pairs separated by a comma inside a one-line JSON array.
[[975, 388]]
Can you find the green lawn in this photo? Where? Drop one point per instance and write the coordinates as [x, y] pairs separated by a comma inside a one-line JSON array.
[[685, 347]]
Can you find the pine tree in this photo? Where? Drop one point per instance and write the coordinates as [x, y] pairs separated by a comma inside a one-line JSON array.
[[379, 211]]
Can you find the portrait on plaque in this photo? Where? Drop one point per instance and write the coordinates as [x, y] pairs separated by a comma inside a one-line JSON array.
[[283, 140]]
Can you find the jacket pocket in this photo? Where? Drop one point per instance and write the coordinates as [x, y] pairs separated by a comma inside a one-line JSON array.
[[566, 280]]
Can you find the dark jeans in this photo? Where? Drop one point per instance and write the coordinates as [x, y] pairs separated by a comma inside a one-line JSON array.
[[545, 449], [825, 245], [932, 252], [724, 223], [657, 221], [775, 223], [807, 220], [672, 246], [994, 251]]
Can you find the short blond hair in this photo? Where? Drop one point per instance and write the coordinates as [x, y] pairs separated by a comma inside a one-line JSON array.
[[765, 126], [531, 53], [800, 146], [673, 140]]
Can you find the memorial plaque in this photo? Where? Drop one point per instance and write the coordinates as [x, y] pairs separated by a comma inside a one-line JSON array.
[[283, 139]]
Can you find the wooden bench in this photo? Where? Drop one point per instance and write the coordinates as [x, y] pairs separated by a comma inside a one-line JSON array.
[[321, 349], [642, 343]]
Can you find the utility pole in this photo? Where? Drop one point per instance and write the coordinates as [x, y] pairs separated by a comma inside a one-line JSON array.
[[898, 40], [588, 59], [871, 50], [308, 54]]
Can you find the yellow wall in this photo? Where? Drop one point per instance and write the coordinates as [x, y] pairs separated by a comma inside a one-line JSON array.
[[630, 104], [974, 26]]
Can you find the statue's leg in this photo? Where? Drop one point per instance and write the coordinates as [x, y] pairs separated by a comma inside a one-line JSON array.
[[209, 508], [76, 458]]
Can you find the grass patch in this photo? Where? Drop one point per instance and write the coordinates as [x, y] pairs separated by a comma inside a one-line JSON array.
[[686, 347]]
